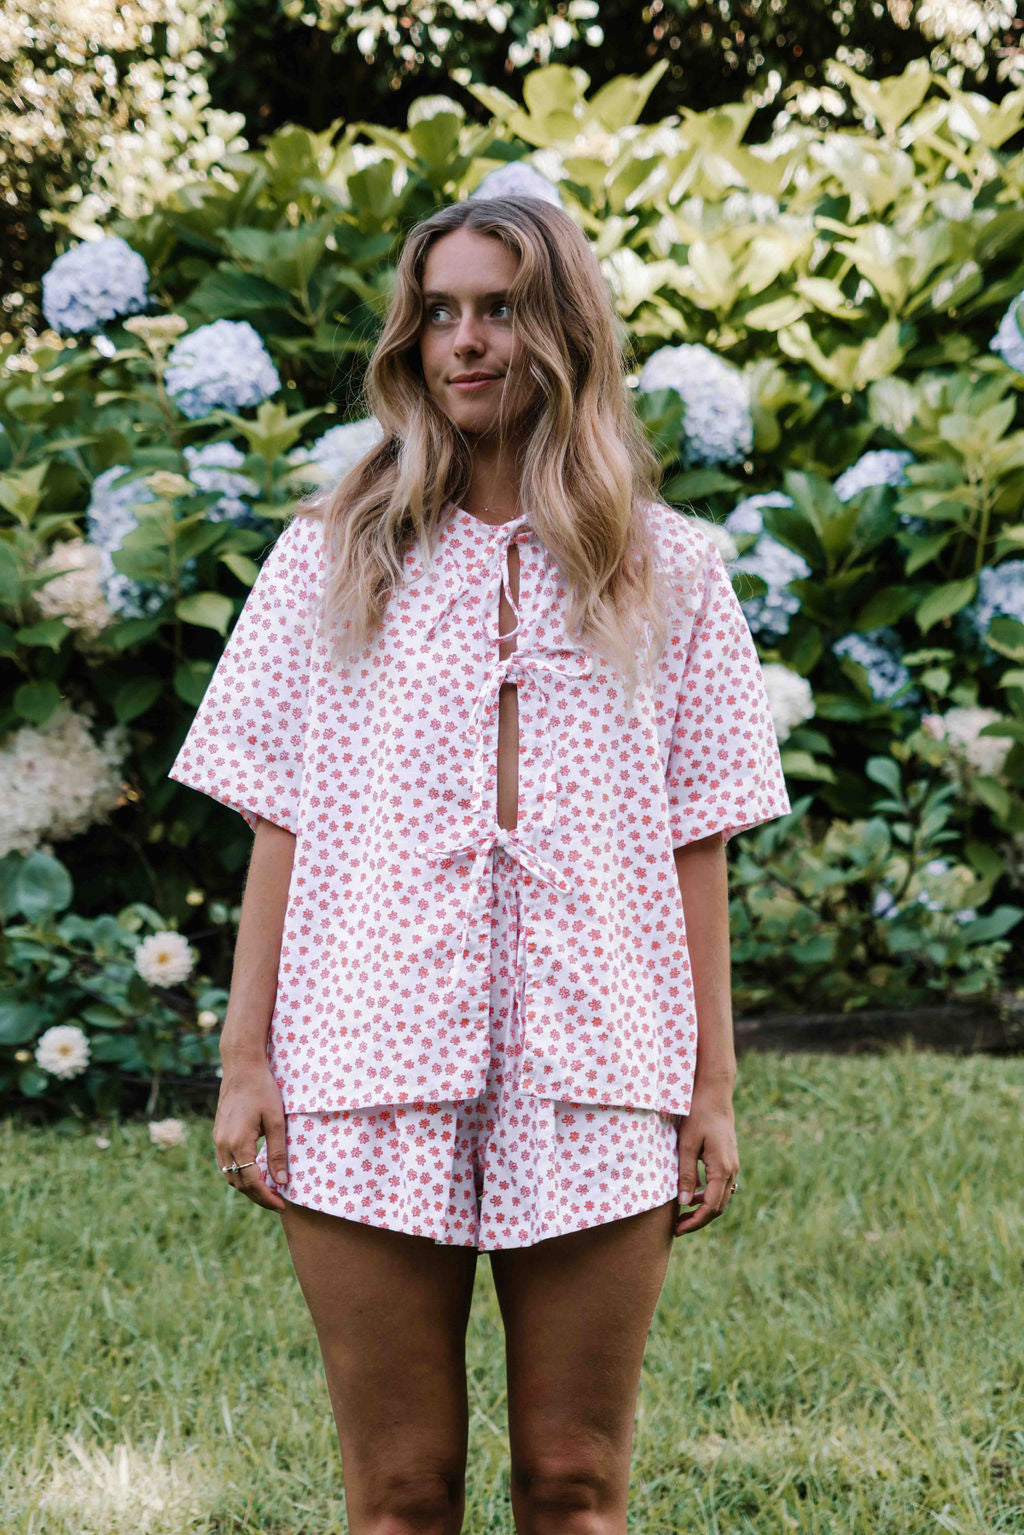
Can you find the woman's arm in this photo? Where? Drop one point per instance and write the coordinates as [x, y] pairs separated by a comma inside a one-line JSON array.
[[254, 974], [703, 883]]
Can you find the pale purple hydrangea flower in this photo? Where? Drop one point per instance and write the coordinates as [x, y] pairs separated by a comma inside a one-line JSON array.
[[341, 446], [718, 427], [879, 466], [221, 366], [517, 179], [212, 467], [772, 561], [93, 283], [1000, 594], [109, 519], [1008, 340], [878, 651]]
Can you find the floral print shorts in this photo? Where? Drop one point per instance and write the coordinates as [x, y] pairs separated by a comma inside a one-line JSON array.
[[501, 1170]]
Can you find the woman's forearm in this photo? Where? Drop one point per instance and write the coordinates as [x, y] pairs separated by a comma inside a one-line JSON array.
[[254, 973], [703, 884]]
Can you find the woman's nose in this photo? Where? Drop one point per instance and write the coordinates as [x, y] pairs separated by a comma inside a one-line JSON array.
[[467, 334]]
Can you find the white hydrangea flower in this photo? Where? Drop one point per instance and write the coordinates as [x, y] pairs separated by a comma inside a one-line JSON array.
[[959, 727], [167, 1133], [776, 564], [63, 1050], [790, 698], [220, 366], [56, 780], [76, 595], [93, 283], [212, 467], [718, 427], [341, 446], [165, 958], [877, 651], [879, 466], [517, 179], [1008, 340]]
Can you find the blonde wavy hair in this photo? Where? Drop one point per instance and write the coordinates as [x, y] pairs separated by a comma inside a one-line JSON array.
[[586, 466]]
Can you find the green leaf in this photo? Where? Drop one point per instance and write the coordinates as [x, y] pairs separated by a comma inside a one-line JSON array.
[[993, 925], [241, 565], [208, 610], [33, 1081], [135, 696], [43, 886], [36, 701], [1006, 635], [18, 1022], [191, 679], [884, 771], [944, 601], [52, 632]]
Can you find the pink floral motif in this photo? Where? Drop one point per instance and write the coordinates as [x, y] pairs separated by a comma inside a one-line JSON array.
[[385, 768]]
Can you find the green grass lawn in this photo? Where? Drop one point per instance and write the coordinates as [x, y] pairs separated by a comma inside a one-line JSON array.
[[843, 1351]]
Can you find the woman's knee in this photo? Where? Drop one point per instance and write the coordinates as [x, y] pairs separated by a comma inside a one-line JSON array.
[[409, 1502], [573, 1493]]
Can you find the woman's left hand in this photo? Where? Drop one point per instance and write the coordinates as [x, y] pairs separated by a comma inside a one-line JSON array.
[[707, 1132]]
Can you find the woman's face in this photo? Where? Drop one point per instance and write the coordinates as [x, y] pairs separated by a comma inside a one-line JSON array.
[[467, 329]]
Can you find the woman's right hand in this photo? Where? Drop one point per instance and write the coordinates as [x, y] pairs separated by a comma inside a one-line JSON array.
[[249, 1104]]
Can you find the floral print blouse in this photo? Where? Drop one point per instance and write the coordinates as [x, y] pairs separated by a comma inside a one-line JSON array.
[[385, 769]]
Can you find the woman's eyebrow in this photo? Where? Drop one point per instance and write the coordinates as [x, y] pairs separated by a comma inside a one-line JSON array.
[[437, 293]]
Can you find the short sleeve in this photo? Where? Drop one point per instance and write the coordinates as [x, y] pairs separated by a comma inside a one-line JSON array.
[[724, 771], [245, 745]]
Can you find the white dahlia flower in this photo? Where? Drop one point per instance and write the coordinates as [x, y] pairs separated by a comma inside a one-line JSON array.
[[164, 959], [63, 1050]]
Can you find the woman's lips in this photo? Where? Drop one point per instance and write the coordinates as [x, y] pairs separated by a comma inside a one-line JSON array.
[[468, 385]]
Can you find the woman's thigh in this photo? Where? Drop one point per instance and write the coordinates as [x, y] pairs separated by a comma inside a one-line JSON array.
[[577, 1311], [390, 1312]]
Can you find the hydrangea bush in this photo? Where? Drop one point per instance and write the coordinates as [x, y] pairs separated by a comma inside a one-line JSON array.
[[824, 336]]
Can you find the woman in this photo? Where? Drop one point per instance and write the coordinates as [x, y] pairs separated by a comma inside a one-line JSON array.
[[492, 712]]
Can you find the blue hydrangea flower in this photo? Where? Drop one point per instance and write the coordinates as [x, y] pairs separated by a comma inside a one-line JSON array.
[[94, 282], [1000, 594], [223, 366], [878, 651], [879, 466], [210, 467], [109, 519], [517, 179], [1008, 340], [718, 427], [772, 561], [339, 448]]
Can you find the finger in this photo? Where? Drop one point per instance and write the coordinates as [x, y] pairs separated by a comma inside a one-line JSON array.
[[253, 1185], [276, 1148]]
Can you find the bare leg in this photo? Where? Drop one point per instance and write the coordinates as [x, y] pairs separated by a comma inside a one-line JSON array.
[[577, 1311], [390, 1311]]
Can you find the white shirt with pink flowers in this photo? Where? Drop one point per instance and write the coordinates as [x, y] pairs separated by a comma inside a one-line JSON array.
[[384, 767]]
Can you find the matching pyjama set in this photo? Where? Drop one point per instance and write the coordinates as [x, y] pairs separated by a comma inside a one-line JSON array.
[[484, 1037], [504, 1169]]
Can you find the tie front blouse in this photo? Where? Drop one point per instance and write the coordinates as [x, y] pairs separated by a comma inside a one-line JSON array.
[[384, 766]]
